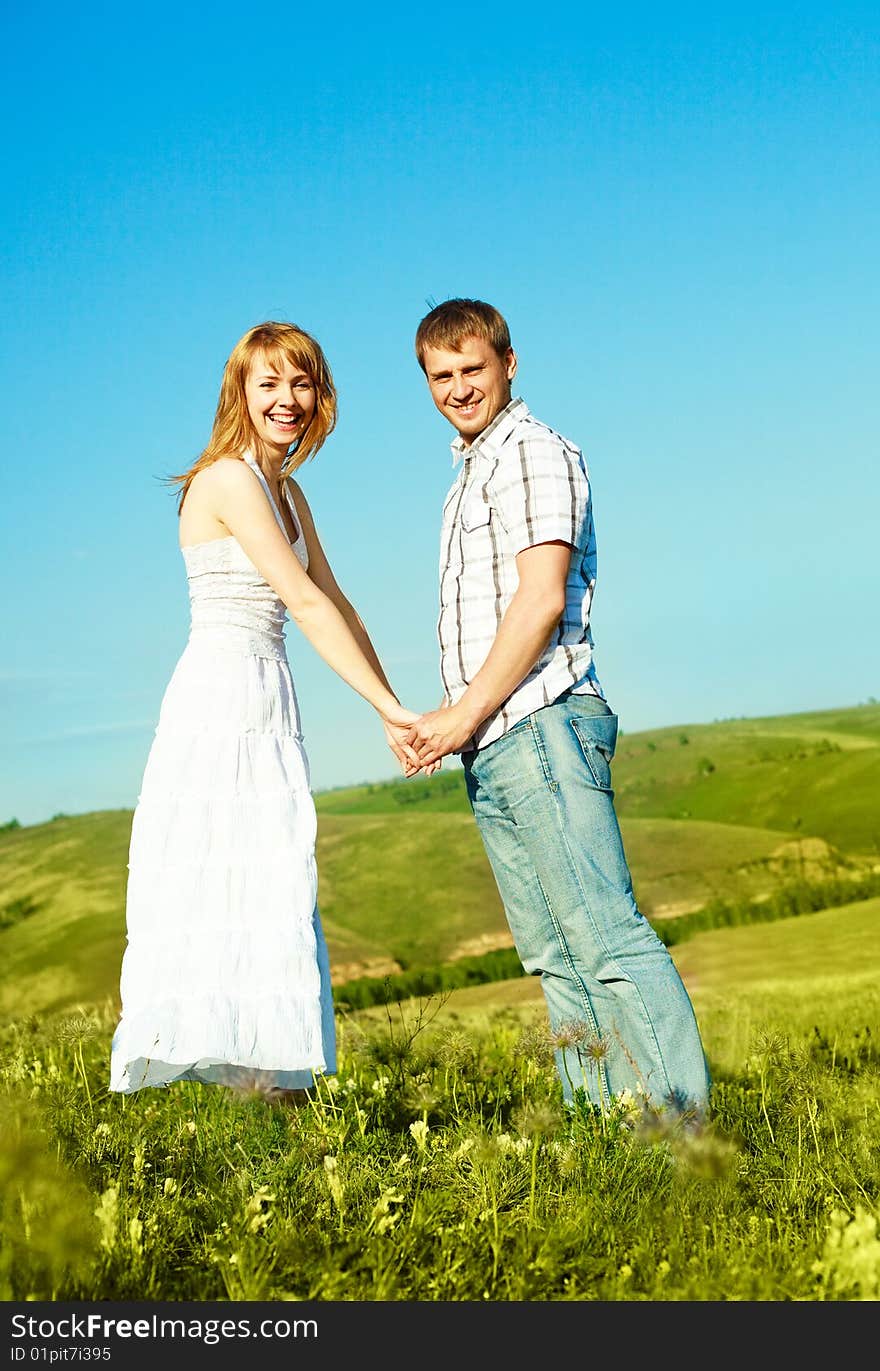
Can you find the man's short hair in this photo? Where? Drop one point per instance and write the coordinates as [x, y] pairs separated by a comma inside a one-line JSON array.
[[449, 323]]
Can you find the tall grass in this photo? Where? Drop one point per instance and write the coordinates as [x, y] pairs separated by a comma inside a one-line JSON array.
[[437, 1165]]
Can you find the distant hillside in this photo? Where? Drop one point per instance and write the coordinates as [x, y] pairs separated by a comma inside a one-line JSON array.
[[727, 809], [811, 775]]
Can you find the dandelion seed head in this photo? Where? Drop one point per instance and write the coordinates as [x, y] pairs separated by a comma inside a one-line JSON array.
[[535, 1044], [566, 1154], [596, 1047], [571, 1033], [485, 1150], [536, 1120], [423, 1098], [76, 1029], [454, 1048]]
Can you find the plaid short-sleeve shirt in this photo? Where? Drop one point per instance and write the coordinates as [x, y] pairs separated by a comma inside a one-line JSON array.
[[519, 484]]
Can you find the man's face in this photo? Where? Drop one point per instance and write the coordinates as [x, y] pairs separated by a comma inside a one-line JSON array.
[[471, 385]]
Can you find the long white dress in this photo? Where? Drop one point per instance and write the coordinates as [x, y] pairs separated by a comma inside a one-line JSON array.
[[225, 975]]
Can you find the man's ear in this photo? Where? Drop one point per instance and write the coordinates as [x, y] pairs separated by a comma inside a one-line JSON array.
[[511, 363]]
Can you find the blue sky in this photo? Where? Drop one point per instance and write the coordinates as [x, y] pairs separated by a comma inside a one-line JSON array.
[[677, 210]]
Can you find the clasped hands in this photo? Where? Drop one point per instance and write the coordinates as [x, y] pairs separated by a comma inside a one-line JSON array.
[[422, 741]]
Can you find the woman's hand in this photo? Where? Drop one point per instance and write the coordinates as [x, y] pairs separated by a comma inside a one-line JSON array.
[[399, 731], [394, 713]]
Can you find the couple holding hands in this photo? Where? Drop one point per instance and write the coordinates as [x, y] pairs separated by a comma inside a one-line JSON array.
[[225, 975]]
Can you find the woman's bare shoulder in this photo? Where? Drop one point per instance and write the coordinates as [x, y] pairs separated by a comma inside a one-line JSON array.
[[223, 472], [212, 488]]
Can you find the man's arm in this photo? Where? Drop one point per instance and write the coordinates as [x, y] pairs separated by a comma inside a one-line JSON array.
[[524, 632]]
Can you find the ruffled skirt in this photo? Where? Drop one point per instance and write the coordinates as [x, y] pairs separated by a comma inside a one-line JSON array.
[[225, 976]]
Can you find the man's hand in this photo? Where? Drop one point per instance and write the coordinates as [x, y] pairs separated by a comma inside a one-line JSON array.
[[444, 730]]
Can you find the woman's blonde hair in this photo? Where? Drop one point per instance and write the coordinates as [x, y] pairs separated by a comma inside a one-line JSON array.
[[233, 430]]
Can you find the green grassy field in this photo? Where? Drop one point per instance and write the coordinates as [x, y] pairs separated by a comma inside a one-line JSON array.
[[438, 1164]]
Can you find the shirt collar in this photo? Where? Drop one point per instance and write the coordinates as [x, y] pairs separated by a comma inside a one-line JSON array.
[[493, 434]]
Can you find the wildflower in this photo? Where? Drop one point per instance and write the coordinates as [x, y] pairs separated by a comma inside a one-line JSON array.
[[567, 1158], [190, 1128], [535, 1121], [454, 1049], [535, 1044], [258, 1208], [139, 1164], [419, 1130], [76, 1029], [571, 1033], [485, 1150], [334, 1181], [625, 1108], [135, 1235], [384, 1217], [170, 1187], [106, 1212], [850, 1264], [596, 1047]]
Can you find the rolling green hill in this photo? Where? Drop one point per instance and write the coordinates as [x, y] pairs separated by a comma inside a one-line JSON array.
[[728, 809]]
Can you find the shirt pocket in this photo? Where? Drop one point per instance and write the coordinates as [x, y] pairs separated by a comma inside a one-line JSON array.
[[475, 514]]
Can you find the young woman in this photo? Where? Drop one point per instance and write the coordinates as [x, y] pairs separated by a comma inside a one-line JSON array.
[[225, 974]]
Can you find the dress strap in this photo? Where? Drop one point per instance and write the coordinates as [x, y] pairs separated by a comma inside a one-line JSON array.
[[255, 467]]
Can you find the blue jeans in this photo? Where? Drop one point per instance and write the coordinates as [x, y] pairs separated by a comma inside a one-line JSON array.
[[619, 1013]]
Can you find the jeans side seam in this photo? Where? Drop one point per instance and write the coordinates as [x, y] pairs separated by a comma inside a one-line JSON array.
[[561, 940], [562, 943], [554, 787]]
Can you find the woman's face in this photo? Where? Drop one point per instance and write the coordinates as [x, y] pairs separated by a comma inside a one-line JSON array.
[[281, 401]]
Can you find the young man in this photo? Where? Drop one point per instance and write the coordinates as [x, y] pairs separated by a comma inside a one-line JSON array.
[[524, 708]]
